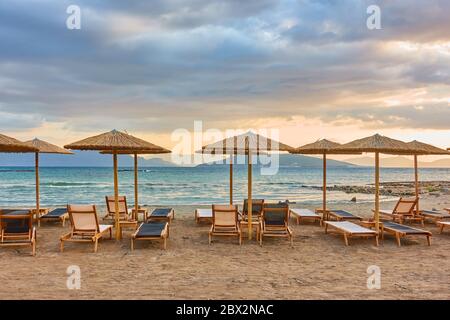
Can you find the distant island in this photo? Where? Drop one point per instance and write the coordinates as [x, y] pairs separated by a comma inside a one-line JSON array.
[[301, 161], [79, 159], [399, 162]]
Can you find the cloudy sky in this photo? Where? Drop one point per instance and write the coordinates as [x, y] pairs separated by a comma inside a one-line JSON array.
[[310, 68]]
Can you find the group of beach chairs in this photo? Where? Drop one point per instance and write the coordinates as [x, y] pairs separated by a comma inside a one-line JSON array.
[[17, 227], [269, 220], [272, 220]]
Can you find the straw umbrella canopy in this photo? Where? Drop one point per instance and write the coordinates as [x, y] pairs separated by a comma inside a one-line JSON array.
[[43, 147], [247, 144], [322, 147], [136, 187], [421, 148], [377, 144], [115, 142], [11, 145]]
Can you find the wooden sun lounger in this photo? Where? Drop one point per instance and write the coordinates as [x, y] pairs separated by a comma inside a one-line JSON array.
[[400, 231], [349, 229], [443, 224], [342, 215], [124, 212], [275, 222], [162, 214], [404, 210], [436, 216], [85, 226], [305, 214], [225, 222], [60, 214], [16, 229], [150, 231], [203, 215]]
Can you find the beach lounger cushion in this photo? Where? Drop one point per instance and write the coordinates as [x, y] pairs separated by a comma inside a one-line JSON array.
[[164, 214], [343, 215], [400, 230], [150, 231], [55, 213], [350, 229]]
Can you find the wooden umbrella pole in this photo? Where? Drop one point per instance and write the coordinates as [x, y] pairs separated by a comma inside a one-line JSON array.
[[116, 195], [38, 207], [249, 201], [324, 204], [231, 179], [416, 178], [136, 199], [377, 191]]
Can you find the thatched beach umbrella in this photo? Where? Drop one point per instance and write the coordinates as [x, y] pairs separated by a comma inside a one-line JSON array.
[[114, 141], [247, 144], [377, 144], [11, 145], [322, 147], [136, 186], [421, 148], [43, 147]]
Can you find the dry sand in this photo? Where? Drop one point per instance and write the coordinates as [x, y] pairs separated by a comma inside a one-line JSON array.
[[319, 266]]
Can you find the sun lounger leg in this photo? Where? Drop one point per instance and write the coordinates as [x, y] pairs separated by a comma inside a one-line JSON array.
[[110, 233], [346, 239], [165, 243], [397, 236], [209, 238], [441, 229], [61, 247], [240, 238], [376, 240], [326, 227], [95, 245], [64, 222], [132, 244], [429, 240]]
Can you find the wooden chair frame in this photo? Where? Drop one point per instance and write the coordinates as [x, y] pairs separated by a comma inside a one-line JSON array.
[[18, 239], [232, 229], [281, 231], [85, 235], [111, 211], [401, 217]]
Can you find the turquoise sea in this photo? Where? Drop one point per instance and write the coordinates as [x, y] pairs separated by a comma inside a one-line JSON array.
[[186, 186]]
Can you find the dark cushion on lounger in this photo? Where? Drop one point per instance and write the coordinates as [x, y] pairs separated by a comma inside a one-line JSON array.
[[17, 229], [436, 213], [402, 228], [151, 229], [17, 213], [56, 213], [161, 212], [275, 217], [257, 206], [343, 213]]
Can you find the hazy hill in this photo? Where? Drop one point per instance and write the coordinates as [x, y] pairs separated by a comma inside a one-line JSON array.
[[294, 160], [399, 162], [79, 159]]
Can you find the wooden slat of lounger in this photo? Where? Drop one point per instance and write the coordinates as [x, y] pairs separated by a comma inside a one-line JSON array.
[[350, 227], [435, 214], [396, 227]]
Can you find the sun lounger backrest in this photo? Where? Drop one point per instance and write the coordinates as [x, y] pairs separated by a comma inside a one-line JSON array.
[[405, 205], [83, 217], [275, 214], [16, 224], [257, 206], [225, 215], [110, 204]]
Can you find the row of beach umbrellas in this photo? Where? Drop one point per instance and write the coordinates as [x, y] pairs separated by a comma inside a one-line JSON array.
[[247, 144]]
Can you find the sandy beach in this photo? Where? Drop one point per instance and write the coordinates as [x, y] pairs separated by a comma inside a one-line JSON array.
[[319, 266]]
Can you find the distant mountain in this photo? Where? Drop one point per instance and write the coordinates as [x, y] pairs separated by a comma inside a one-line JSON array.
[[399, 162], [294, 160], [79, 159]]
